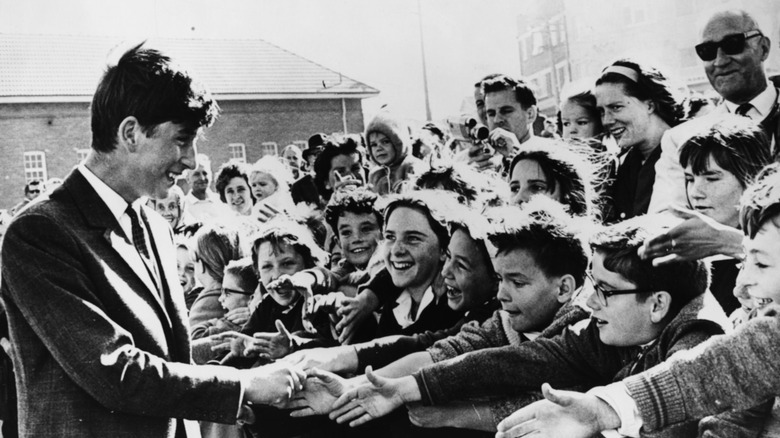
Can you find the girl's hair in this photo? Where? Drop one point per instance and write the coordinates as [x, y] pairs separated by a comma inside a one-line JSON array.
[[283, 230], [228, 171], [436, 205], [645, 83], [274, 168], [215, 246], [566, 169], [244, 273], [737, 145]]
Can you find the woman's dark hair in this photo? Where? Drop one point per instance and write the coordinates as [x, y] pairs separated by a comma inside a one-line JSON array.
[[645, 83], [229, 171], [331, 149], [435, 205], [565, 169], [737, 144]]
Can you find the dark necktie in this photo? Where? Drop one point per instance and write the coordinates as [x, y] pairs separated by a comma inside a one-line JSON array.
[[138, 233], [743, 109]]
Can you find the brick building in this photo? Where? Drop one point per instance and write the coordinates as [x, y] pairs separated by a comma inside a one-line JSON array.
[[563, 41], [269, 98]]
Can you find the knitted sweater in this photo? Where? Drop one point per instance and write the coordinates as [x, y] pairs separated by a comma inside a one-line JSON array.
[[576, 357], [735, 371]]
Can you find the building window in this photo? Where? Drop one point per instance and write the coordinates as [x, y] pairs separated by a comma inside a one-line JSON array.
[[269, 148], [81, 155], [237, 152], [561, 76], [35, 166], [302, 145], [538, 43], [549, 83]]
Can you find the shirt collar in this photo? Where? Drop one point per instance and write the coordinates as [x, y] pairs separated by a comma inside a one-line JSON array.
[[762, 103], [116, 204]]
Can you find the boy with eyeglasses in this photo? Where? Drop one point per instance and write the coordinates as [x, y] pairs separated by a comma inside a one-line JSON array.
[[641, 314]]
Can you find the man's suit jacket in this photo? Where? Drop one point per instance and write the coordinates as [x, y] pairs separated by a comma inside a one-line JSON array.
[[99, 351]]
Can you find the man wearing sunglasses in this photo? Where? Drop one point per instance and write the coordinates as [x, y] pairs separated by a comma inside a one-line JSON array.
[[733, 50], [31, 191]]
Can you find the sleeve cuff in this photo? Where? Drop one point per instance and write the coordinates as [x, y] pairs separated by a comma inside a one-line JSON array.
[[617, 397]]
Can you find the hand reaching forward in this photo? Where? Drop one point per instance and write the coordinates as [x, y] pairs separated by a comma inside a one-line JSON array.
[[320, 391], [563, 414], [367, 402], [271, 345], [272, 384]]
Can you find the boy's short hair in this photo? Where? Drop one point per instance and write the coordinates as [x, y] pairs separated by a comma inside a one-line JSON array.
[[244, 272], [145, 84], [543, 228], [761, 201], [619, 243], [358, 201], [216, 245], [283, 230]]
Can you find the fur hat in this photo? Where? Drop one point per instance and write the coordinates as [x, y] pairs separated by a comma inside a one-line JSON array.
[[395, 129]]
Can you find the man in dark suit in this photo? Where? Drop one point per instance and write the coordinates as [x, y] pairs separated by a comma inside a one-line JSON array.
[[96, 313]]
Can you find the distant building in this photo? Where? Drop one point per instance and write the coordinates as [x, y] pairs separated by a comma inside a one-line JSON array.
[[564, 41], [269, 98]]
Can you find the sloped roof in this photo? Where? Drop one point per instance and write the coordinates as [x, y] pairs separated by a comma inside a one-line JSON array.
[[43, 68]]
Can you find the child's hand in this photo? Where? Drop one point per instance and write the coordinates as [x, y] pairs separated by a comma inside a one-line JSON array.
[[238, 316]]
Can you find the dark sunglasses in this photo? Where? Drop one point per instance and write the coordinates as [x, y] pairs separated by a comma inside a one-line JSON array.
[[730, 44], [602, 294]]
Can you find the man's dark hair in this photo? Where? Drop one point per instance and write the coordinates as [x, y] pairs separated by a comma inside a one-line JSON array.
[[228, 171], [358, 201], [523, 94], [544, 229], [738, 145], [619, 244], [145, 84], [331, 149]]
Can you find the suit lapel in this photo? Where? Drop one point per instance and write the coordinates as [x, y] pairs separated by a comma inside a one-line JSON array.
[[97, 215]]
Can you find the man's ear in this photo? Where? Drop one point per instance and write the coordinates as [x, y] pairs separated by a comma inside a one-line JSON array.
[[661, 302], [765, 46], [128, 132], [566, 288], [533, 113]]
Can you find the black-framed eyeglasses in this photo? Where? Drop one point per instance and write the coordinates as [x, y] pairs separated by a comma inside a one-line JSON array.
[[226, 291], [602, 294], [730, 44]]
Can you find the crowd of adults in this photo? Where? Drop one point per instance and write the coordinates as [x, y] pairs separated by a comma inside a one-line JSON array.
[[412, 280]]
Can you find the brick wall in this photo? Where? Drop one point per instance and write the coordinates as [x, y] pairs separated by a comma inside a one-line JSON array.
[[59, 129]]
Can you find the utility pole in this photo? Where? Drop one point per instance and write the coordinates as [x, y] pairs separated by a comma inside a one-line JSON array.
[[424, 69]]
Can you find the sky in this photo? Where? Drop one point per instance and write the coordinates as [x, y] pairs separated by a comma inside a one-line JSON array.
[[376, 42]]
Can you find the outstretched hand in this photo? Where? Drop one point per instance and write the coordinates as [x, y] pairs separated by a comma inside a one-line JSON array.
[[562, 414], [272, 345], [367, 402], [353, 312], [696, 237], [320, 391], [273, 384]]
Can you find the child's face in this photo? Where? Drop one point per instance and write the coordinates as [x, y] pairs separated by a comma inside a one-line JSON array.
[[186, 269], [714, 193], [577, 122], [358, 236], [232, 296], [466, 273], [528, 179], [528, 295], [413, 252], [760, 274], [625, 320], [272, 263], [169, 209], [263, 185], [382, 148]]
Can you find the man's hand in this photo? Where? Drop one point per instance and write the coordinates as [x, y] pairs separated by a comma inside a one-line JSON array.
[[320, 391], [353, 312], [272, 384], [563, 414], [697, 237], [504, 142], [374, 400], [342, 359], [483, 157]]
